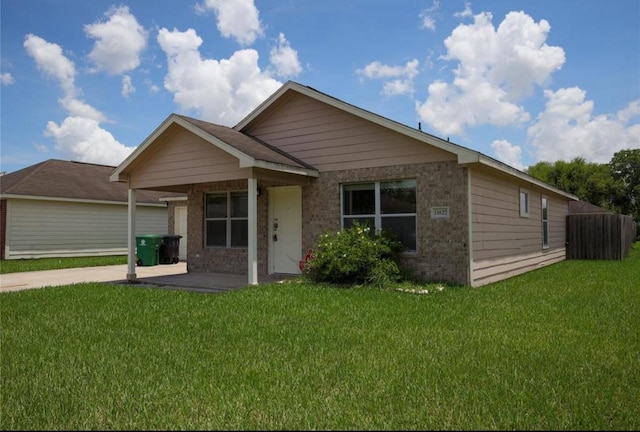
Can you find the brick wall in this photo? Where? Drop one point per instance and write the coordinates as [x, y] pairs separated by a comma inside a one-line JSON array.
[[223, 260], [442, 252]]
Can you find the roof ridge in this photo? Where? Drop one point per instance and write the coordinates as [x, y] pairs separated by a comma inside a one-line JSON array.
[[91, 163]]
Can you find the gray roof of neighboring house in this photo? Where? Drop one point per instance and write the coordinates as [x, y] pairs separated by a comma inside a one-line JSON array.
[[581, 207], [56, 178]]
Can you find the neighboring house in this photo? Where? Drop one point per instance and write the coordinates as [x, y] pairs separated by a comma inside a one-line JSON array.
[[60, 208], [261, 193]]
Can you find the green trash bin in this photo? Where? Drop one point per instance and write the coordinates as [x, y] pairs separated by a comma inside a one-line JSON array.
[[148, 249]]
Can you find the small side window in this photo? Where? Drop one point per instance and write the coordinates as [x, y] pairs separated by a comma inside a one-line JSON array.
[[524, 203], [545, 222]]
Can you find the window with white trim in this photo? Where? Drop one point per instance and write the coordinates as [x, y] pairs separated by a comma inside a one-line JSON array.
[[383, 205], [524, 203], [226, 219], [545, 222]]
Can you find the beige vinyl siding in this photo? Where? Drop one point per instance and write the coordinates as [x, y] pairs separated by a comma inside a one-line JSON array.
[[330, 139], [39, 228], [505, 244], [188, 159]]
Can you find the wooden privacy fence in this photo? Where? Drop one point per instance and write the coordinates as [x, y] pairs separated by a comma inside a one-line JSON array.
[[599, 236]]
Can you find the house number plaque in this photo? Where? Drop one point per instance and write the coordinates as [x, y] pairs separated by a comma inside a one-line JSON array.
[[439, 212]]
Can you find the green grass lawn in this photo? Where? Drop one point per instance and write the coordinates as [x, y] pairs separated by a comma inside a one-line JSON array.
[[25, 265], [554, 349]]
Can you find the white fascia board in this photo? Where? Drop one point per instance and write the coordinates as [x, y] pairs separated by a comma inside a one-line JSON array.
[[184, 198], [281, 168], [75, 200], [117, 175]]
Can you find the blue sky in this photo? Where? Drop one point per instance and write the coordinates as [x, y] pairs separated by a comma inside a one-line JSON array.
[[520, 81]]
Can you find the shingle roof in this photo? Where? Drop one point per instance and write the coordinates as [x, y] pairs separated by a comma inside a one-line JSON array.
[[247, 144], [74, 180], [581, 207]]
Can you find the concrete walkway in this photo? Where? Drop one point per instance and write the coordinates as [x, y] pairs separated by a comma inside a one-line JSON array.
[[168, 276]]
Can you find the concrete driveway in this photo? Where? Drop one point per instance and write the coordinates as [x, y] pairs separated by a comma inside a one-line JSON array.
[[168, 276]]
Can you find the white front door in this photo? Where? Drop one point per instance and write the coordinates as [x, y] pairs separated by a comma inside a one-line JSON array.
[[285, 229], [180, 228]]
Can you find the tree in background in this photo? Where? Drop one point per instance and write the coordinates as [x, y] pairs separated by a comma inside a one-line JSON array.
[[591, 182], [625, 169]]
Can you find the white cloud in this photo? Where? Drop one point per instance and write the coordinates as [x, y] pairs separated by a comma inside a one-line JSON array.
[[221, 91], [127, 86], [285, 59], [82, 139], [428, 16], [153, 88], [119, 42], [467, 12], [508, 153], [79, 108], [404, 76], [50, 59], [238, 19], [567, 129], [79, 136], [496, 69], [6, 78]]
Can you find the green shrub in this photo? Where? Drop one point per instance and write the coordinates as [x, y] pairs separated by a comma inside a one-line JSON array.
[[354, 256]]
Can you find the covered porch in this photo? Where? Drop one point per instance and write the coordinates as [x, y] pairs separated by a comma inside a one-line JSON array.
[[198, 158]]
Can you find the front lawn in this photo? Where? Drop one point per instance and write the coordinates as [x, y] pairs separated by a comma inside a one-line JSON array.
[[36, 264], [554, 349]]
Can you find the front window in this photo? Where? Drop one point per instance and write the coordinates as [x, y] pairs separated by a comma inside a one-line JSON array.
[[226, 219], [383, 205]]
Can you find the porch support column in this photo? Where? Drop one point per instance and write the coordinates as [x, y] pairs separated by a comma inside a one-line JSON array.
[[131, 245], [252, 251]]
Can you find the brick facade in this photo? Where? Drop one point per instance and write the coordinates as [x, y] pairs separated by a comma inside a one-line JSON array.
[[223, 260], [442, 250]]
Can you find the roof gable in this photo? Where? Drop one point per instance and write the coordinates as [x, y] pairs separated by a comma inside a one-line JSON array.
[[250, 152], [463, 154]]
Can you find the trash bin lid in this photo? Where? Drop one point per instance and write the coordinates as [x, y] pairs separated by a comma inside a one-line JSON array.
[[154, 236]]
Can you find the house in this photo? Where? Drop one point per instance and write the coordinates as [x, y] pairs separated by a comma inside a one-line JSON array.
[[303, 162], [60, 208]]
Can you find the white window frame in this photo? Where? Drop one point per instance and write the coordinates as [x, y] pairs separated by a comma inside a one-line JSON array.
[[544, 216], [228, 220], [524, 205], [377, 216]]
